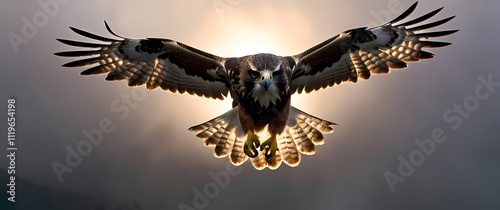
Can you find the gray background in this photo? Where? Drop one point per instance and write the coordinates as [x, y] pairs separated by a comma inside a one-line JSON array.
[[151, 160]]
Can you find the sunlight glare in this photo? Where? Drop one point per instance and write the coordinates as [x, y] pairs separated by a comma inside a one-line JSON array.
[[253, 47]]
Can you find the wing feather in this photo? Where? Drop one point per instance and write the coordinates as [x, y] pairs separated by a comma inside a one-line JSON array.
[[81, 44], [435, 34], [431, 25], [164, 63], [361, 52], [405, 14], [92, 36], [417, 20]]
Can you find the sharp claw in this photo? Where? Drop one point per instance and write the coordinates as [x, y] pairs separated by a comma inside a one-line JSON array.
[[251, 145], [250, 154], [256, 144], [268, 156], [270, 146]]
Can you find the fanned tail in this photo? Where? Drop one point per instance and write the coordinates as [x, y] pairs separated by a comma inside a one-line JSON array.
[[302, 132], [224, 132]]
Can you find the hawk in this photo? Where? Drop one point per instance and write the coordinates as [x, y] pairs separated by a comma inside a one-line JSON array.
[[262, 125]]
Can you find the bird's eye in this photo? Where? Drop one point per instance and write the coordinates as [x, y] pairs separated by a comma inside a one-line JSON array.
[[276, 74], [254, 74]]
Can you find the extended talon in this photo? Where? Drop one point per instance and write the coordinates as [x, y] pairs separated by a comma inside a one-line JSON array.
[[270, 146], [251, 145], [250, 152]]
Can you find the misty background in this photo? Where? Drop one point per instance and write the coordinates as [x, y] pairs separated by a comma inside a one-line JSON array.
[[150, 159]]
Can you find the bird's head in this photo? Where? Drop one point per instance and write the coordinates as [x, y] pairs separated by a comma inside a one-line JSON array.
[[265, 76]]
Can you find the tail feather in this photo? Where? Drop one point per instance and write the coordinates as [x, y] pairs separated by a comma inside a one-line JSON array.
[[260, 162], [238, 157], [220, 132], [303, 142], [225, 144], [321, 125], [275, 162], [288, 149], [312, 133], [307, 130], [302, 132]]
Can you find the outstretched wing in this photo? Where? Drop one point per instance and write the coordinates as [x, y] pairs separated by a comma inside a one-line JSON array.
[[155, 62], [363, 51]]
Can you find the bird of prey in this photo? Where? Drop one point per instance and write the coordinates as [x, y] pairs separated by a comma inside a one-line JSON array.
[[262, 125]]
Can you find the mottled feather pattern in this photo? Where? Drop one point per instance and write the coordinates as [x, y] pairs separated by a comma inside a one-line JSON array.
[[161, 63], [361, 52], [302, 133], [302, 141], [288, 149], [238, 157], [224, 132]]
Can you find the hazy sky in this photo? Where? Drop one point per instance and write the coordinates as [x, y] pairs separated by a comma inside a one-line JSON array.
[[151, 157]]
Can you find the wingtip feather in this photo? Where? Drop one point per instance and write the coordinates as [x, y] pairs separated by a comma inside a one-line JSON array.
[[91, 35], [431, 25], [405, 14], [421, 18], [434, 44], [111, 31]]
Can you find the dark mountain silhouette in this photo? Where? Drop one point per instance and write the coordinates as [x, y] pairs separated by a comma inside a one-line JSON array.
[[36, 197]]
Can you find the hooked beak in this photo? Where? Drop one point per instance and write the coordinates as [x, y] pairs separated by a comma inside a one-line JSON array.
[[265, 81]]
